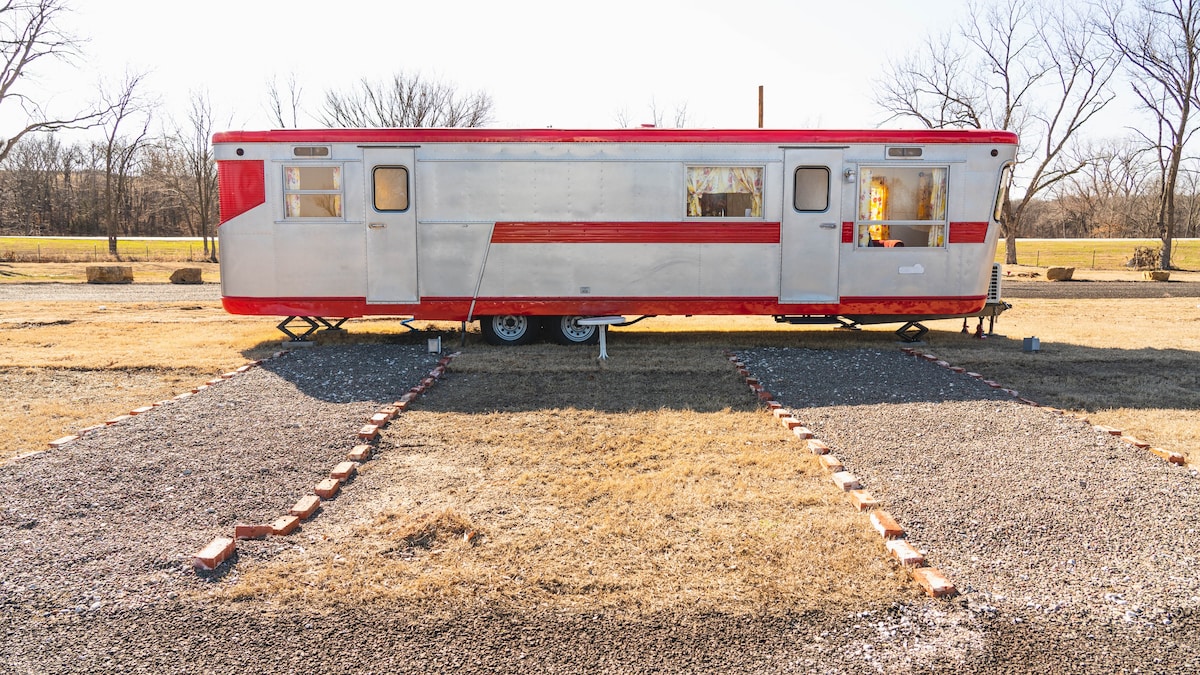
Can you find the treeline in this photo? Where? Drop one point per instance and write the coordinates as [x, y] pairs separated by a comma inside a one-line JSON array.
[[48, 188]]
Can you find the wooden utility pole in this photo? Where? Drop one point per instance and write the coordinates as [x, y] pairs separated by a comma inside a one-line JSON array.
[[760, 106]]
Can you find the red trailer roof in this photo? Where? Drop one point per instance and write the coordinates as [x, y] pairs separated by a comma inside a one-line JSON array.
[[651, 135]]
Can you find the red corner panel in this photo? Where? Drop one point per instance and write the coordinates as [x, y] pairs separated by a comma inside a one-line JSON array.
[[242, 186]]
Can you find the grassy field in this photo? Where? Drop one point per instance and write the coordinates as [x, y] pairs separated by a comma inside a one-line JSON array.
[[1102, 254], [95, 249]]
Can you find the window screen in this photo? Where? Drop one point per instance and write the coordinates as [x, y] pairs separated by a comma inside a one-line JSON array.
[[313, 191]]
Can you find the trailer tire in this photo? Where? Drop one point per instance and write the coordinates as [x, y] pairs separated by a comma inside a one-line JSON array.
[[508, 329], [566, 330]]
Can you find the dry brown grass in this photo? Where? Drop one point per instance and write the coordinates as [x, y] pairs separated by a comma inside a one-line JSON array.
[[71, 272], [69, 365], [650, 484]]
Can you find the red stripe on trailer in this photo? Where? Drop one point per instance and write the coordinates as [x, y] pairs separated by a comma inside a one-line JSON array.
[[967, 233], [242, 186], [635, 233], [848, 233], [456, 309], [485, 135]]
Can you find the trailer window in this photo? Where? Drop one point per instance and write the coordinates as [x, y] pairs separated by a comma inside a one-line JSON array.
[[313, 191], [391, 188], [724, 191], [902, 206], [811, 188]]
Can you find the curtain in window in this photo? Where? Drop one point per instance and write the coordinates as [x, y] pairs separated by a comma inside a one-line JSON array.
[[705, 180]]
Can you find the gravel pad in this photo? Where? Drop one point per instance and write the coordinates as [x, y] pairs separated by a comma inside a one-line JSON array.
[[1034, 515], [115, 517]]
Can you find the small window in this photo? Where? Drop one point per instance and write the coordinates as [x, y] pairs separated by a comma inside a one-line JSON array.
[[811, 188], [1002, 192], [902, 206], [311, 151], [313, 191], [391, 188], [724, 191]]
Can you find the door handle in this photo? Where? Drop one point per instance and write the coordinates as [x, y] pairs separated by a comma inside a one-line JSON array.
[[828, 226], [377, 226]]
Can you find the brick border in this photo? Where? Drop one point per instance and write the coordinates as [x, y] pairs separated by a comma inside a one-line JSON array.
[[341, 474], [895, 539], [1170, 456]]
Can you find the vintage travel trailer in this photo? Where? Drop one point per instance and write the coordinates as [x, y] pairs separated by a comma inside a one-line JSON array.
[[530, 231]]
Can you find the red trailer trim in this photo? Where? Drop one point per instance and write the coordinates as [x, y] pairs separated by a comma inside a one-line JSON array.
[[456, 309], [485, 135], [968, 233], [636, 233]]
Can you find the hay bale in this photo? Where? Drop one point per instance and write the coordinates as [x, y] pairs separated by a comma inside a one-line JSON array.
[[1059, 273], [1156, 275], [109, 274], [187, 275]]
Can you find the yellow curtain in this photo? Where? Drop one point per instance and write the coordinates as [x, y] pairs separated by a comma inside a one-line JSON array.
[[703, 180]]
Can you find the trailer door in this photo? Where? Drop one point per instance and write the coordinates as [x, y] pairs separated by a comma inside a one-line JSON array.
[[811, 230], [391, 225]]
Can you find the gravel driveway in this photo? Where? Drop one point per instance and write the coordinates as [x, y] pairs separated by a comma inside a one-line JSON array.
[[1075, 552]]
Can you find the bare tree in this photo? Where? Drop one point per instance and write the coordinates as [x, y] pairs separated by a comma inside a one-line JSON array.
[[624, 120], [1161, 46], [28, 35], [406, 101], [189, 173], [125, 107], [284, 113], [1036, 69]]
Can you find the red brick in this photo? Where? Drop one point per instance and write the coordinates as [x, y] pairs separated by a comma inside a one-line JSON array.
[[905, 553], [831, 463], [389, 410], [251, 531], [790, 423], [143, 409], [226, 376], [1169, 455], [934, 582], [817, 447], [400, 406], [359, 453], [304, 508], [327, 488], [242, 369], [974, 375], [405, 399], [368, 431], [379, 419], [765, 395], [846, 481], [58, 443], [1109, 430], [215, 380], [957, 369], [284, 525], [863, 500], [774, 405], [186, 394], [217, 552], [118, 419], [803, 433], [944, 364], [344, 471], [886, 525], [427, 382], [929, 357], [779, 411], [90, 429], [752, 381], [445, 361], [1135, 442]]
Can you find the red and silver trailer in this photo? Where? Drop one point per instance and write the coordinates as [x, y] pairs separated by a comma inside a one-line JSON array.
[[529, 231]]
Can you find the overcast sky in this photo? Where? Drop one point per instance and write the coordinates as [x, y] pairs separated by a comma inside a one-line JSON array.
[[562, 64]]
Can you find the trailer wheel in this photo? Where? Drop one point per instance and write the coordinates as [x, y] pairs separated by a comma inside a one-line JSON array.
[[566, 330], [508, 329]]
